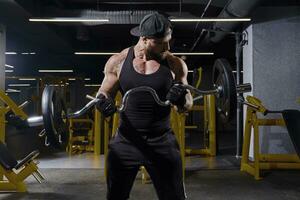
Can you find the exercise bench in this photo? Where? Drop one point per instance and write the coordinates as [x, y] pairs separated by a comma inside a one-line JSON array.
[[16, 172]]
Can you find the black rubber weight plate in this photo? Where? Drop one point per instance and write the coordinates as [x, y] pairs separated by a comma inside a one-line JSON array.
[[53, 109], [226, 101]]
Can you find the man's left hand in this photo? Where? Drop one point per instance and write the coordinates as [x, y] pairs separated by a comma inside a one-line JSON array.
[[176, 95]]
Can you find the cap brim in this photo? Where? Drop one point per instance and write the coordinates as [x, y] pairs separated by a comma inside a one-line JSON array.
[[135, 31]]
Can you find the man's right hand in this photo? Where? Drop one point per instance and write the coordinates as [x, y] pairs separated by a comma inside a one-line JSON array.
[[106, 105]]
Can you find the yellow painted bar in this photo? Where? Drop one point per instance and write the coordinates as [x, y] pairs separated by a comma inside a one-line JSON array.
[[247, 136], [263, 161], [212, 125], [25, 172], [12, 105], [250, 169], [205, 120], [270, 122], [2, 125], [279, 158], [198, 151], [97, 132], [256, 149], [7, 186], [279, 165], [197, 108], [256, 102], [15, 181]]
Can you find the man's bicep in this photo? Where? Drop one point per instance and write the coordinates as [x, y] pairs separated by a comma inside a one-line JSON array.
[[110, 82], [181, 72]]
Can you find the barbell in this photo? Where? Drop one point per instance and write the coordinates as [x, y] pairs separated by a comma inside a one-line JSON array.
[[55, 117]]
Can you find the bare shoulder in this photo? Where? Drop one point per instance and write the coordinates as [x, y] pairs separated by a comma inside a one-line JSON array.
[[115, 62], [176, 64]]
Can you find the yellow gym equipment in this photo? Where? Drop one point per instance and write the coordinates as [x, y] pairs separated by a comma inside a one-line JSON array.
[[81, 136], [13, 173], [209, 127], [16, 172], [262, 161]]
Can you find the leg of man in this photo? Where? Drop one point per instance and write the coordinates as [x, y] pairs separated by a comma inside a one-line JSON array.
[[165, 168], [124, 160]]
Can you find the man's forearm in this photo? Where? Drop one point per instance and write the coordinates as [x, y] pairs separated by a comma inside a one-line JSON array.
[[188, 101]]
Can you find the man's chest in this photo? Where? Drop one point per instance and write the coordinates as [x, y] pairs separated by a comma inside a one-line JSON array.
[[145, 67]]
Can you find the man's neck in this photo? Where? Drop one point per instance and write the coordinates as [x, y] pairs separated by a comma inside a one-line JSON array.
[[139, 50]]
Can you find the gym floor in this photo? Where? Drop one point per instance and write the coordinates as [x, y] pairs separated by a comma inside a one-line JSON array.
[[82, 177]]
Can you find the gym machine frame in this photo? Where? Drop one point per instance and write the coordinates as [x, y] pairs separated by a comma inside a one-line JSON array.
[[28, 166], [262, 161]]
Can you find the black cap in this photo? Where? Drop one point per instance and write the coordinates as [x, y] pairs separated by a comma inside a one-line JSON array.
[[153, 25]]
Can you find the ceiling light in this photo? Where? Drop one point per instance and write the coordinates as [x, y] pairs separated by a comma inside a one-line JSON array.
[[19, 85], [212, 20], [12, 90], [9, 66], [56, 85], [55, 70], [95, 53], [235, 71], [32, 53], [27, 79], [71, 79], [10, 53], [66, 20], [87, 79], [194, 53], [24, 53], [9, 70], [92, 85], [190, 71]]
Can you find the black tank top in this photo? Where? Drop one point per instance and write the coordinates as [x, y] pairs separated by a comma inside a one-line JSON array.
[[143, 114]]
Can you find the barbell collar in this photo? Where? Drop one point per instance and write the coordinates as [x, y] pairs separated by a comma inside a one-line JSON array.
[[35, 121], [243, 88]]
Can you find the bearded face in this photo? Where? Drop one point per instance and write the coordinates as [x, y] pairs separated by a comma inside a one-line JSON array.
[[156, 48], [151, 54]]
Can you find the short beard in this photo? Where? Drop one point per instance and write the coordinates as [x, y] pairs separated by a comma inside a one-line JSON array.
[[153, 56]]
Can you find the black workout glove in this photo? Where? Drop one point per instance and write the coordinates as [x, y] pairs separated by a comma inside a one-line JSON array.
[[176, 95], [106, 105]]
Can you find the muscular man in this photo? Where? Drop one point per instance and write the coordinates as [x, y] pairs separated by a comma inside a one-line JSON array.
[[144, 136]]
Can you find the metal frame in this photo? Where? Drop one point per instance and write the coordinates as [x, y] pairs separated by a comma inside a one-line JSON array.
[[209, 126], [262, 161], [15, 180], [90, 146]]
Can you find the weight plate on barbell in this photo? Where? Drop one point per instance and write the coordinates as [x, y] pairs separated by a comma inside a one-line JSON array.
[[54, 116], [223, 79]]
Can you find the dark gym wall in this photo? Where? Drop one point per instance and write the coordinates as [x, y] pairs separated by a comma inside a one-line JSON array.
[[2, 67], [2, 56], [272, 64]]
